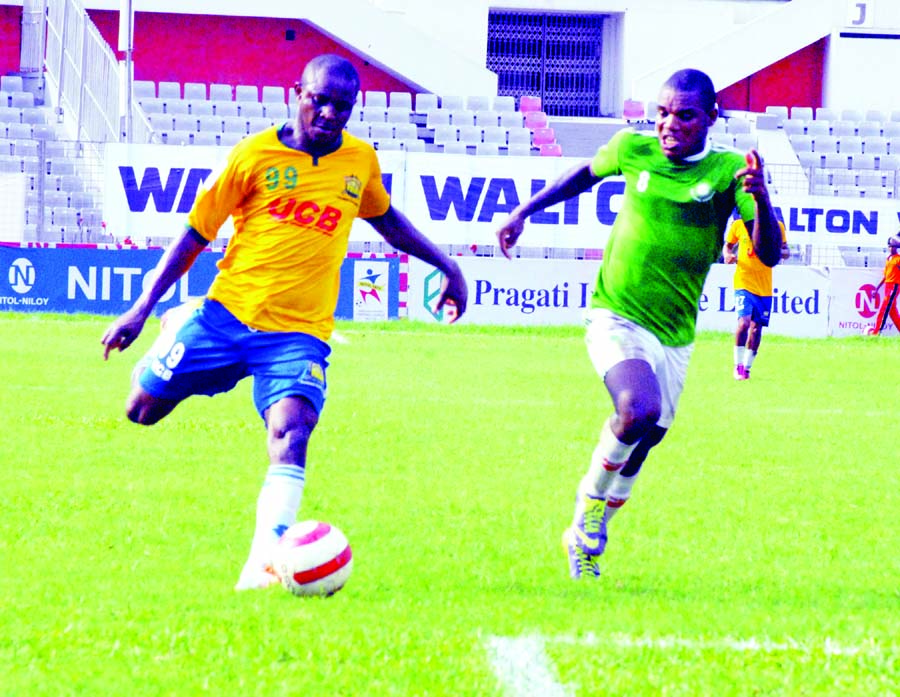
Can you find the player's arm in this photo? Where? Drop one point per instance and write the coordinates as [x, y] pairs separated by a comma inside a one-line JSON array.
[[400, 233], [785, 251], [577, 180], [729, 253], [174, 263], [765, 232]]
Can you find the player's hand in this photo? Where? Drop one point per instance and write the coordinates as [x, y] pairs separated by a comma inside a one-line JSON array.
[[122, 332], [454, 294], [729, 257], [753, 179], [509, 234]]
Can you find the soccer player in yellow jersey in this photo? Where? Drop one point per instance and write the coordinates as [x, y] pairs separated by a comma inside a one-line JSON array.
[[752, 294], [293, 191]]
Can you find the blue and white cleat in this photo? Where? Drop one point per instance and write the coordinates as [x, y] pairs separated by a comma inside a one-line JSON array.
[[581, 564], [589, 527]]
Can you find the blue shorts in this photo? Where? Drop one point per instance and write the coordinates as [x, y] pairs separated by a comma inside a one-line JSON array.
[[212, 351], [756, 307]]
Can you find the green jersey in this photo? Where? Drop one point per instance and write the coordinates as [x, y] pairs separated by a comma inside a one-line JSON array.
[[668, 232]]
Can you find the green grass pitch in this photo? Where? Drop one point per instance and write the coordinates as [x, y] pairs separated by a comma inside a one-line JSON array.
[[759, 555]]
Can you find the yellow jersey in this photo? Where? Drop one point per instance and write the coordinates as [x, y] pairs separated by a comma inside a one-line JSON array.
[[292, 217], [751, 274]]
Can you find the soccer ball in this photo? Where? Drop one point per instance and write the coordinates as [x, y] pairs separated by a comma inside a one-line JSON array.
[[313, 558]]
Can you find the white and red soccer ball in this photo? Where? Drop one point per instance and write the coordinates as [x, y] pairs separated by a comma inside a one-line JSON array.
[[313, 558]]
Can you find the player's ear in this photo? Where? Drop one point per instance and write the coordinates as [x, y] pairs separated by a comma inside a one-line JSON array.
[[713, 114]]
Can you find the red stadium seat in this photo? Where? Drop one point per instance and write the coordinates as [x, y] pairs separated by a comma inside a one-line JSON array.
[[543, 136], [551, 150], [529, 103], [535, 119]]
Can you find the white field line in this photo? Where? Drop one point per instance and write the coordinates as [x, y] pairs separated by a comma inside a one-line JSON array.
[[523, 669]]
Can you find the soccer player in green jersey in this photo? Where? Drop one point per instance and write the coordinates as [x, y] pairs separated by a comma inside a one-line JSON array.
[[680, 189]]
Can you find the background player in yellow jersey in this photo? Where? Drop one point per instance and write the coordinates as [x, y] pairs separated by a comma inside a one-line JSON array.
[[752, 294], [293, 191]]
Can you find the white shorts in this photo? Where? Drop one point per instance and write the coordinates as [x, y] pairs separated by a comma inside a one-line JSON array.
[[612, 339]]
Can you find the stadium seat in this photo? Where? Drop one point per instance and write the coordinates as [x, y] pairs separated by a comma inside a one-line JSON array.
[[234, 124], [141, 89], [801, 143], [445, 133], [494, 134], [487, 149], [34, 115], [380, 131], [818, 128], [43, 131], [863, 160], [852, 115], [809, 159], [246, 93], [10, 164], [633, 110], [177, 106], [195, 91], [536, 119], [255, 124], [185, 122], [179, 137], [21, 100], [18, 131], [875, 115], [225, 108], [746, 141], [168, 90], [736, 125], [462, 117], [455, 147], [850, 144], [413, 144], [375, 98], [470, 135], [201, 108], [542, 136], [843, 128], [486, 118], [425, 102], [550, 150], [387, 144], [890, 129], [520, 136], [802, 112], [722, 138], [278, 112], [397, 114], [889, 162], [835, 160], [220, 92], [503, 102], [406, 131], [204, 138], [875, 145], [402, 100], [453, 101], [868, 129], [374, 113], [437, 117], [10, 115], [250, 110], [273, 94], [529, 103], [512, 119], [478, 102], [781, 112], [210, 124], [870, 178], [359, 128], [825, 114], [824, 144], [11, 83], [794, 126]]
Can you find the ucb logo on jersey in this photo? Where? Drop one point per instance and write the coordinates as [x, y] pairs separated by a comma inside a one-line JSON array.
[[306, 214], [181, 185]]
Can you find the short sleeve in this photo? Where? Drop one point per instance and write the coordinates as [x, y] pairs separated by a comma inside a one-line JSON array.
[[375, 199], [606, 160]]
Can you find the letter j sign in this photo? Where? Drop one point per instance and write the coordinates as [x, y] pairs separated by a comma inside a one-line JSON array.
[[860, 13]]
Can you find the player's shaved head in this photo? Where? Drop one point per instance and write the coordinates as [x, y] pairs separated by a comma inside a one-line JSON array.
[[697, 82], [335, 66]]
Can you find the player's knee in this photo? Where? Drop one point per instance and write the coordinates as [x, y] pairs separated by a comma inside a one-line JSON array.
[[291, 423], [142, 409], [639, 417]]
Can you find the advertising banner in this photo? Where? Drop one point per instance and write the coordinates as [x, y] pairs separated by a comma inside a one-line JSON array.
[[555, 292], [108, 281], [854, 303], [455, 199]]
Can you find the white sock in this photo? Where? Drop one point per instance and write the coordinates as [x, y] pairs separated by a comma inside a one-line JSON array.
[[618, 494], [739, 355], [276, 510], [748, 358], [607, 459]]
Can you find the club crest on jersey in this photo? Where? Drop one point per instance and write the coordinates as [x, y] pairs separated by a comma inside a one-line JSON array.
[[702, 192], [352, 186]]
